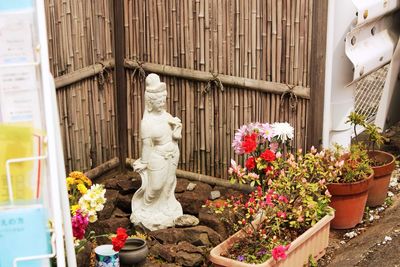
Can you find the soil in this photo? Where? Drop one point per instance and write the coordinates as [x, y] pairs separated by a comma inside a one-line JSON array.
[[375, 245]]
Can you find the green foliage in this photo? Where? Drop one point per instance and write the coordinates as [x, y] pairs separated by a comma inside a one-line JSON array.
[[312, 262], [293, 201], [374, 133], [389, 201]]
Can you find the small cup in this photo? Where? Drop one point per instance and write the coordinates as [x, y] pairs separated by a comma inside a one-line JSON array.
[[106, 256]]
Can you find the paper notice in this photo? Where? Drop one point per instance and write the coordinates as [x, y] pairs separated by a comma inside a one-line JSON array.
[[16, 38], [19, 95]]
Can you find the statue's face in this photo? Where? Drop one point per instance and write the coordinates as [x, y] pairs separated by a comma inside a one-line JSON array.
[[159, 103]]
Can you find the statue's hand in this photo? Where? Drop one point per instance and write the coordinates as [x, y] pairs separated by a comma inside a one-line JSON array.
[[139, 166], [176, 126]]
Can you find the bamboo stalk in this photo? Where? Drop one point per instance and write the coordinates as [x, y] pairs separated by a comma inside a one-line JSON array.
[[258, 85], [82, 74], [279, 41]]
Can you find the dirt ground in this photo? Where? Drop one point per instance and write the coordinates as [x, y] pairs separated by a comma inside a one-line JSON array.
[[375, 245]]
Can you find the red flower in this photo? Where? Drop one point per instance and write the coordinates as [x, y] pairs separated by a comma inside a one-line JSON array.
[[119, 240], [249, 143], [268, 155], [250, 163]]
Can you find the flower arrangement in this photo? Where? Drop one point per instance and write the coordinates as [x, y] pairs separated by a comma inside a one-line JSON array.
[[262, 143], [289, 198], [86, 199]]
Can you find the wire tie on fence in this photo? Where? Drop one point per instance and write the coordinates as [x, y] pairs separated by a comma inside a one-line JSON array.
[[139, 70], [214, 81], [102, 79], [292, 97]]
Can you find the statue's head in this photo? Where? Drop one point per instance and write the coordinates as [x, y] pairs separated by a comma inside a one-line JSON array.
[[156, 93]]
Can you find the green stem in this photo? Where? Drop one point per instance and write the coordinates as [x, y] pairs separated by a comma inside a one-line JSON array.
[[355, 132]]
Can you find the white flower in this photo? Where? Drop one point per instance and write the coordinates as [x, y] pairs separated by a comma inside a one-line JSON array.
[[283, 131]]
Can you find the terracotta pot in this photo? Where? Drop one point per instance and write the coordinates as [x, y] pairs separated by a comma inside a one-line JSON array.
[[348, 200], [380, 184], [312, 242], [134, 251]]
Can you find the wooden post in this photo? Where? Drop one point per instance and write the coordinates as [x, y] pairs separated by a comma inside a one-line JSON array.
[[317, 70], [120, 82]]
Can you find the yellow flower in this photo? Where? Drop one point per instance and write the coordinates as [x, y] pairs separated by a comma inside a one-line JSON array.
[[70, 181], [81, 177], [82, 188], [74, 208]]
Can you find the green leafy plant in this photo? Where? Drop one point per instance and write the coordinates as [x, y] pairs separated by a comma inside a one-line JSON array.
[[338, 165], [374, 133], [293, 201]]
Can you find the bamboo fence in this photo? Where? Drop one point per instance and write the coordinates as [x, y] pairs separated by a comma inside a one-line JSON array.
[[262, 40], [80, 38], [259, 49]]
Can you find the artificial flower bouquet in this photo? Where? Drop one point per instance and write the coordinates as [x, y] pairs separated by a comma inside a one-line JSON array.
[[86, 199], [289, 198]]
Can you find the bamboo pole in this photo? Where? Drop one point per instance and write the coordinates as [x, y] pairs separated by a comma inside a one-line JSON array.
[[82, 74], [258, 85]]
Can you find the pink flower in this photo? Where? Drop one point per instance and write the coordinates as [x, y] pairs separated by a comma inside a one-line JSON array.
[[79, 224], [280, 252], [281, 214], [283, 199], [327, 193], [274, 146]]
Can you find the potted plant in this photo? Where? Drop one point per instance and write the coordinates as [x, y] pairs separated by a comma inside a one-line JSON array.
[[382, 163], [348, 176], [286, 219]]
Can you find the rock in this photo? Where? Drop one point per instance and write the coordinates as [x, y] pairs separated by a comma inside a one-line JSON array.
[[120, 214], [111, 196], [198, 235], [181, 185], [164, 251], [187, 247], [191, 186], [124, 203], [83, 257], [192, 201], [168, 236], [186, 221], [227, 192], [209, 219], [129, 186], [189, 259], [184, 253], [108, 226], [214, 194], [388, 238], [350, 235]]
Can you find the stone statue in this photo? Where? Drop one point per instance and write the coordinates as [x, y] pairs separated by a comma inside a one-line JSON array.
[[154, 205]]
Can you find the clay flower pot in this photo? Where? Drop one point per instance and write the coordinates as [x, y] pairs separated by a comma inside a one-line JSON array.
[[134, 251], [312, 242], [380, 184], [348, 200]]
